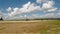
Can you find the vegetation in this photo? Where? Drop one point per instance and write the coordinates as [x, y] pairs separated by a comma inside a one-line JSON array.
[[30, 27]]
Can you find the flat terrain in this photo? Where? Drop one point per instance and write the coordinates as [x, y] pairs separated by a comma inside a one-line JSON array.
[[30, 27]]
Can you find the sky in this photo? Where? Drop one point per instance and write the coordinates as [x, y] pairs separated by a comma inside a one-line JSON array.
[[30, 9]]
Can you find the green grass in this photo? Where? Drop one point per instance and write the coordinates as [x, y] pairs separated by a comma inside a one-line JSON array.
[[54, 27], [38, 26]]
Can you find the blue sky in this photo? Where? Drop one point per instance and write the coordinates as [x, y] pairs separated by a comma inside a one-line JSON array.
[[13, 3], [18, 9]]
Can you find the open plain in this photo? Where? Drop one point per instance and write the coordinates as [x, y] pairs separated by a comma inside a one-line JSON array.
[[30, 27]]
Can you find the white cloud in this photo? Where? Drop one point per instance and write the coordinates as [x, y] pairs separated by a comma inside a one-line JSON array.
[[29, 7], [53, 9], [15, 11], [9, 9], [49, 15], [32, 7], [3, 15], [58, 13], [36, 16], [39, 1], [0, 13], [47, 6], [58, 10], [33, 16]]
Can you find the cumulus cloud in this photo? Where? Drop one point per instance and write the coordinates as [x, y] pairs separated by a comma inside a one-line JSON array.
[[39, 1], [0, 13], [9, 9], [49, 15], [46, 5], [53, 9], [58, 13], [49, 6], [3, 15], [28, 7]]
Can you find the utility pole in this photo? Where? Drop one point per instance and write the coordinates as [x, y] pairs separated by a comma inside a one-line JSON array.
[[26, 17]]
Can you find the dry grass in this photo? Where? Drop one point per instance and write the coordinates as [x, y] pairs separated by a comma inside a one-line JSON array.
[[30, 27]]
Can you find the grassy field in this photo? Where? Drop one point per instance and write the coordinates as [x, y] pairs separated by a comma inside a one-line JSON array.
[[30, 27]]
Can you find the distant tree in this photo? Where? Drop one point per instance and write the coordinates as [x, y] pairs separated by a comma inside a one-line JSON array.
[[27, 19], [1, 19]]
